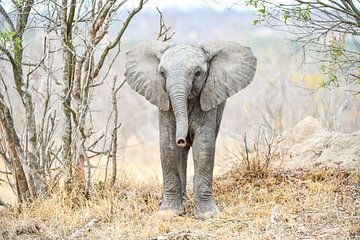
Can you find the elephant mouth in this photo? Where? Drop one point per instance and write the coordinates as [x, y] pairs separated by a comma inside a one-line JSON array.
[[181, 142]]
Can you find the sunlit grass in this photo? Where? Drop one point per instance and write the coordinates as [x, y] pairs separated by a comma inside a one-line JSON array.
[[319, 203]]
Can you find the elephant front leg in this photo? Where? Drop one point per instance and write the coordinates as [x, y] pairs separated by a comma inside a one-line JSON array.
[[173, 163], [174, 174], [203, 153]]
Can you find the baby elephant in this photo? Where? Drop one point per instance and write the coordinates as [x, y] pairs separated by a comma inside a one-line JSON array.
[[189, 84]]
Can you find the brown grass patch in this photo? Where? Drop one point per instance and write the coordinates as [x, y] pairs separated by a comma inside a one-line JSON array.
[[321, 204]]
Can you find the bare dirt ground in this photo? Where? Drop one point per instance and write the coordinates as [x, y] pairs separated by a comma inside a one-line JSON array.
[[319, 204]]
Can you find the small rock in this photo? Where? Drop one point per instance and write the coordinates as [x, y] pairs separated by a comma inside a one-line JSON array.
[[80, 233]]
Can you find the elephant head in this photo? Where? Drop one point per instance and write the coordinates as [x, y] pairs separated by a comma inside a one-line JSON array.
[[165, 74]]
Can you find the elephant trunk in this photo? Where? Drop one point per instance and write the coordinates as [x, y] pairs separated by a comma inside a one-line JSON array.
[[178, 98]]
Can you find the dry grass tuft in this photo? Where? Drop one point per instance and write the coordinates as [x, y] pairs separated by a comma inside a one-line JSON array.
[[257, 160], [323, 203]]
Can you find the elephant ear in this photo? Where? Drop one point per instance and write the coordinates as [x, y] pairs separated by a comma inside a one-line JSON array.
[[142, 72], [232, 68]]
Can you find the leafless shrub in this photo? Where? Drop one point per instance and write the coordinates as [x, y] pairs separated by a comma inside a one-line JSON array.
[[80, 30], [256, 160]]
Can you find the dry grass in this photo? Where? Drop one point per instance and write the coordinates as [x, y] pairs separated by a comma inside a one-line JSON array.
[[322, 204]]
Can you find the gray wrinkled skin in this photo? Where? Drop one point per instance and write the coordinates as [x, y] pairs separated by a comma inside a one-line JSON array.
[[190, 85]]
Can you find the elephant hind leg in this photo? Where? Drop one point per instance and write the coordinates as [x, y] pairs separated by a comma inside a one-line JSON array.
[[219, 114]]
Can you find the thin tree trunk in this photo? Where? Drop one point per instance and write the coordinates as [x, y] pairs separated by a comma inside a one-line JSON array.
[[12, 140], [35, 181], [114, 137], [81, 88], [66, 95]]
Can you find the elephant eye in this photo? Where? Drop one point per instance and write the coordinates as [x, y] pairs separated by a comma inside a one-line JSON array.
[[197, 73], [162, 73]]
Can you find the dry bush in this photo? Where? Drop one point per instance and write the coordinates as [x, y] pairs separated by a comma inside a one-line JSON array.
[[256, 160]]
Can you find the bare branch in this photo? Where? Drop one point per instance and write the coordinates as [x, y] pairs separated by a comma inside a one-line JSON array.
[[7, 18], [163, 29], [323, 28], [118, 38]]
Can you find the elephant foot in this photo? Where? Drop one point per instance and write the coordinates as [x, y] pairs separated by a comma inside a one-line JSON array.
[[174, 206], [205, 210]]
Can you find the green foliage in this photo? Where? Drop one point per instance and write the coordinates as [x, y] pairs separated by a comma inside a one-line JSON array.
[[286, 15], [7, 35], [100, 184], [263, 9], [302, 13], [339, 64], [10, 41], [19, 3], [253, 3], [256, 21], [336, 60]]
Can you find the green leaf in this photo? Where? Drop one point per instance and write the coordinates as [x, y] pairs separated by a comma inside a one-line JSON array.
[[19, 3], [101, 184], [262, 11], [286, 13], [4, 34], [253, 3]]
